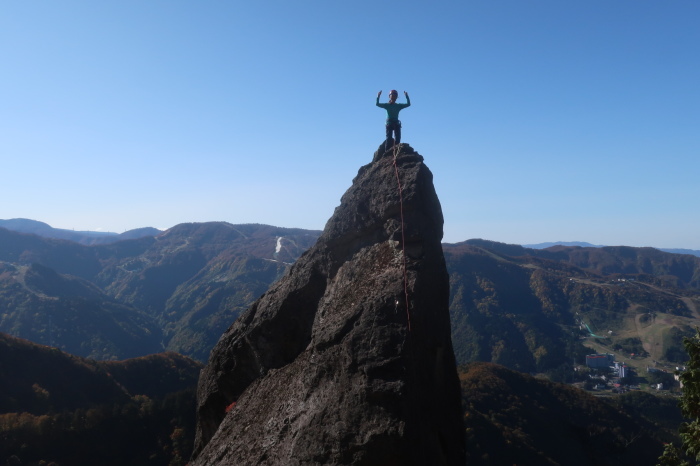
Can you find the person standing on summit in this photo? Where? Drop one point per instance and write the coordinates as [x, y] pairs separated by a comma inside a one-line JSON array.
[[392, 115]]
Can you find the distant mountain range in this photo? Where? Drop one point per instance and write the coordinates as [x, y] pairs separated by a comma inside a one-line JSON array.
[[35, 227], [583, 244], [24, 225], [179, 291]]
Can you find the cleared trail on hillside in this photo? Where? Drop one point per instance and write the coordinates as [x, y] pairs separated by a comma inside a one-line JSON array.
[[686, 300], [649, 346], [20, 278]]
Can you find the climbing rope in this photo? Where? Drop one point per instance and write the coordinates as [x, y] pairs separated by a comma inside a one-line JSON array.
[[403, 235]]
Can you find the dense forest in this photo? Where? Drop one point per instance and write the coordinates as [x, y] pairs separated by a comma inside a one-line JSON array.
[[514, 418], [62, 409]]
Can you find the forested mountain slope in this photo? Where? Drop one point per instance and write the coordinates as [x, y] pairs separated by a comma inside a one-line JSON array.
[[513, 418], [531, 309], [58, 407], [525, 308], [181, 289]]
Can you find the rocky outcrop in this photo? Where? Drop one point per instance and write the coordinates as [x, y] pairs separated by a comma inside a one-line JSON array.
[[347, 359]]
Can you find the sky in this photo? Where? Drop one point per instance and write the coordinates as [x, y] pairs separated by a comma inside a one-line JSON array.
[[541, 120]]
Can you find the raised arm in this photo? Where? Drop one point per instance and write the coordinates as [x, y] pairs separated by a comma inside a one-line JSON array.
[[378, 95], [408, 99]]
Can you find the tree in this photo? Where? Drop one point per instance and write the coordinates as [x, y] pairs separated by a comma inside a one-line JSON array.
[[672, 457], [690, 407]]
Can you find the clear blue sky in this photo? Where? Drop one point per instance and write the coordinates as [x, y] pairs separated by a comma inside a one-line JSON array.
[[541, 120]]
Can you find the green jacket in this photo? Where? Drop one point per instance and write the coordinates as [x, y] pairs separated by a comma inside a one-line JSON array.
[[392, 110]]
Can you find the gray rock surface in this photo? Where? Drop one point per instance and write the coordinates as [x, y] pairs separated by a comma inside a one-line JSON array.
[[329, 367]]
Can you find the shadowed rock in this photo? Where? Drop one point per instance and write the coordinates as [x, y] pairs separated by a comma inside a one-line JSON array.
[[325, 368]]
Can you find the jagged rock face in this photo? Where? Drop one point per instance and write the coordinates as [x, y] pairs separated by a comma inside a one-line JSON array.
[[326, 367]]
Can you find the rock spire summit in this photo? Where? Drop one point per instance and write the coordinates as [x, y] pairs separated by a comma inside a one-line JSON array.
[[323, 368]]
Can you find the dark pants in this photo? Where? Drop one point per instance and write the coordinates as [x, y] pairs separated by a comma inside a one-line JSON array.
[[395, 126]]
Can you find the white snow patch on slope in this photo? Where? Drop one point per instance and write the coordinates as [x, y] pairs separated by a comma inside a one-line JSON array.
[[279, 245]]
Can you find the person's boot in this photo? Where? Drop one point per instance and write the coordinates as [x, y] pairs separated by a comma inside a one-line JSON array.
[[389, 144]]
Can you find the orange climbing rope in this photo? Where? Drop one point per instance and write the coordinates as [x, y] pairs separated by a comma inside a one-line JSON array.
[[403, 236]]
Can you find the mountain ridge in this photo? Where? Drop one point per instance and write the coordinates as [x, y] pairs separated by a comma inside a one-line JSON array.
[[88, 237], [583, 244], [192, 281], [43, 229]]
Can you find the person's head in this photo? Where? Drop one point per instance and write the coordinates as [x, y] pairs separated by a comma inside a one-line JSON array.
[[393, 95]]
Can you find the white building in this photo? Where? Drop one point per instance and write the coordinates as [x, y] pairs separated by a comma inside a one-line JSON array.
[[624, 371]]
